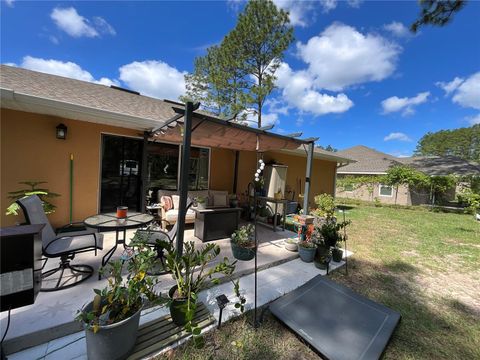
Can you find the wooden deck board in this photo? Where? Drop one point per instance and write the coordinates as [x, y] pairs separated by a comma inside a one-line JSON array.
[[160, 333]]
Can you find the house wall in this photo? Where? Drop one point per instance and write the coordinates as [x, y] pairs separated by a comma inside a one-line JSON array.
[[322, 179], [30, 151], [405, 195]]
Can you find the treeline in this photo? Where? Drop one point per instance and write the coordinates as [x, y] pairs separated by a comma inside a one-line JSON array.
[[463, 142]]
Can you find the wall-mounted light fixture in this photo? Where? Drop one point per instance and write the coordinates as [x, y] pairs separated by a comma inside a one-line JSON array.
[[61, 132]]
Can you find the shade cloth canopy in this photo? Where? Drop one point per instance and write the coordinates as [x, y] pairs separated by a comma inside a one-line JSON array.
[[214, 132]]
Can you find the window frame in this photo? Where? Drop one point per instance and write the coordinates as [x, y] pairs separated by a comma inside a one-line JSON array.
[[380, 186]]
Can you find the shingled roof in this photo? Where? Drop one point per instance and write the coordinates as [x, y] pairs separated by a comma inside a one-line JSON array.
[[442, 165], [83, 94], [368, 161]]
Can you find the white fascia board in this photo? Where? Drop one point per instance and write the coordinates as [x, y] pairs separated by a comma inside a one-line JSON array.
[[297, 152], [18, 101]]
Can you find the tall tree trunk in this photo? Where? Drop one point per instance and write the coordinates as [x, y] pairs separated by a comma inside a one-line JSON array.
[[396, 194]]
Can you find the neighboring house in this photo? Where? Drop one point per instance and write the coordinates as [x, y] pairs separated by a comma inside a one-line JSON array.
[[105, 134], [372, 162]]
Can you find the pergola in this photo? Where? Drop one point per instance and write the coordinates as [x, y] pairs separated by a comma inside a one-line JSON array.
[[192, 127]]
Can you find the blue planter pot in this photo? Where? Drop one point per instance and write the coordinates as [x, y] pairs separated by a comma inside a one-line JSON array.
[[306, 254], [242, 253]]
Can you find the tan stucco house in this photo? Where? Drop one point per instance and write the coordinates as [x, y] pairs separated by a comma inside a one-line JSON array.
[[105, 127], [369, 161]]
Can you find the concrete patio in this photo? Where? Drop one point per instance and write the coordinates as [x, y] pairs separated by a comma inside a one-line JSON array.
[[273, 282], [52, 315]]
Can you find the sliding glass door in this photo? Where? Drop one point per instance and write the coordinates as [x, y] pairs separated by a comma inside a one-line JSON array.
[[121, 173]]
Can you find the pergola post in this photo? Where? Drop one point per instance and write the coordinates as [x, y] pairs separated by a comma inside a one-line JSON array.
[[143, 182], [184, 170], [308, 175]]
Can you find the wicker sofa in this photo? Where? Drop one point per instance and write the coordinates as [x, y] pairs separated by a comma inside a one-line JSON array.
[[169, 216]]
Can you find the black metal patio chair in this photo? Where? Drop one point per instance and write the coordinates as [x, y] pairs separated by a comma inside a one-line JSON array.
[[64, 246], [159, 239]]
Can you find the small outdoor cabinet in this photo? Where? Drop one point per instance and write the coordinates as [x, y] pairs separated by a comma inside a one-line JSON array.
[[21, 265]]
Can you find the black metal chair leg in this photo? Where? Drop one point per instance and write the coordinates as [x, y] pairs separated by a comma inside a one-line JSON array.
[[85, 271]]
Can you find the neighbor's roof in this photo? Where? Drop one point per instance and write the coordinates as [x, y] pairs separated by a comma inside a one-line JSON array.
[[442, 165], [368, 161]]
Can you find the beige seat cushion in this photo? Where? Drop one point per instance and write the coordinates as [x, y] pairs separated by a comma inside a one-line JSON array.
[[172, 215], [176, 201]]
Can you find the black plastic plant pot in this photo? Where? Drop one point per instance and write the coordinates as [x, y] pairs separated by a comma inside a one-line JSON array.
[[319, 264], [114, 341], [322, 251], [307, 254], [243, 253], [178, 308], [337, 255]]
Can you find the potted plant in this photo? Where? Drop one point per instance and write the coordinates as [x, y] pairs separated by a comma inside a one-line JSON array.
[[262, 215], [307, 248], [191, 273], [201, 202], [111, 319], [337, 254], [243, 243], [291, 244]]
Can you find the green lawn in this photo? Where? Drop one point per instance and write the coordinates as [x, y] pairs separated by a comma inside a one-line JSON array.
[[424, 265]]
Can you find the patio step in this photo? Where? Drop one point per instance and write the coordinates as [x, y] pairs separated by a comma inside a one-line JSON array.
[[161, 333]]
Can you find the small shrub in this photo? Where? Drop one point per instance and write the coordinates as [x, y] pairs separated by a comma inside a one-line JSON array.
[[325, 205]]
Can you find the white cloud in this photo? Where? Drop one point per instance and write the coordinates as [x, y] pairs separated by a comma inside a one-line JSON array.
[[473, 120], [468, 93], [75, 25], [154, 78], [354, 3], [103, 26], [54, 39], [397, 29], [9, 3], [301, 12], [406, 105], [67, 69], [328, 5], [396, 136], [68, 20], [451, 86], [299, 90], [341, 57], [270, 119]]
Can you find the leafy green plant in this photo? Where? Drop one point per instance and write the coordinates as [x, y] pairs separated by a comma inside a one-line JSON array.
[[243, 236], [43, 193], [471, 200], [307, 244], [325, 206], [192, 273], [329, 231], [122, 298]]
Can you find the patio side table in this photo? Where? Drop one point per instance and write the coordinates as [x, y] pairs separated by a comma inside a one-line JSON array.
[[216, 223], [284, 202], [110, 222]]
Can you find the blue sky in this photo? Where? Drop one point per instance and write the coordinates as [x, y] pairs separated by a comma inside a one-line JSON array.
[[354, 74]]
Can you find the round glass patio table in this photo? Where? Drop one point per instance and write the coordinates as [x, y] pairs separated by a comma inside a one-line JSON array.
[[110, 222]]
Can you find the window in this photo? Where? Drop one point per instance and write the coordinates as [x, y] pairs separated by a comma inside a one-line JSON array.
[[348, 187], [385, 190], [199, 169], [162, 168]]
